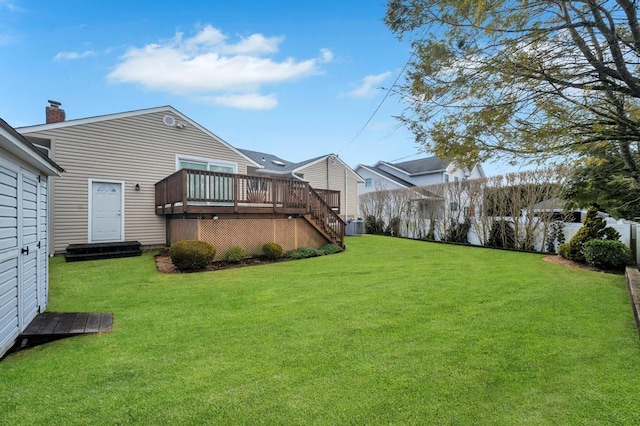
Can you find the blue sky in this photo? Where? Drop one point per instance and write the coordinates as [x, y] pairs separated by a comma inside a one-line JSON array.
[[296, 79]]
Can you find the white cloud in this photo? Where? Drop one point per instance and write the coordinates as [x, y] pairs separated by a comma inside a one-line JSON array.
[[10, 6], [242, 101], [326, 55], [368, 87], [208, 65], [69, 56]]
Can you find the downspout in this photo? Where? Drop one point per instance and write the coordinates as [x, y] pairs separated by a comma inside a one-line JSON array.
[[328, 157], [346, 192]]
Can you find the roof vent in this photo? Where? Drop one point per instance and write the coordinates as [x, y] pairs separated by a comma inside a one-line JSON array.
[[278, 163], [169, 121]]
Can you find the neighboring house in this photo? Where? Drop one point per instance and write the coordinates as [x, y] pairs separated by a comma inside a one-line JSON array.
[[156, 176], [412, 174], [327, 172], [424, 171], [24, 231]]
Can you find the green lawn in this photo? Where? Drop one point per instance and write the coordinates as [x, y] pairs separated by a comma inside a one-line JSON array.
[[389, 332]]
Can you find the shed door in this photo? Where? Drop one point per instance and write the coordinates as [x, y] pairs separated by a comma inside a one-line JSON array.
[[9, 255], [106, 212], [43, 245], [29, 247]]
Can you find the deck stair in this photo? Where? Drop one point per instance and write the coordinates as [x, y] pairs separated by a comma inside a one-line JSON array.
[[77, 252]]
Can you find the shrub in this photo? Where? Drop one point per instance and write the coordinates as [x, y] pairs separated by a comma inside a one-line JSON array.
[[594, 228], [293, 254], [373, 225], [394, 227], [305, 252], [191, 255], [458, 232], [308, 252], [431, 234], [607, 254], [563, 250], [554, 234], [273, 250], [502, 235], [236, 254], [331, 248]]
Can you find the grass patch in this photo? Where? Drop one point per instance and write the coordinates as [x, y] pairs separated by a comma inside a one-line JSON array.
[[391, 331]]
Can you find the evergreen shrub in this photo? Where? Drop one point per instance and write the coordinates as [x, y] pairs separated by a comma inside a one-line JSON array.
[[191, 255], [593, 228], [273, 250], [236, 254], [607, 254], [502, 235], [331, 248]]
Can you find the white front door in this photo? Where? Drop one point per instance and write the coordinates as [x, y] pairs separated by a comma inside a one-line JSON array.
[[106, 212]]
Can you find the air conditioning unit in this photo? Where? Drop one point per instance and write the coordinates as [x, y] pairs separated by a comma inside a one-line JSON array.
[[354, 228]]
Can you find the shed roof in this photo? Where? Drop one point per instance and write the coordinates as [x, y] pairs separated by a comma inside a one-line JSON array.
[[19, 146]]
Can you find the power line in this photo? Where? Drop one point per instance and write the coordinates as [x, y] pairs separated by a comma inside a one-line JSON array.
[[386, 95], [403, 158]]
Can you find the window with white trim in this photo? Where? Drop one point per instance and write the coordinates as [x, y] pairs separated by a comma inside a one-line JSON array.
[[367, 182]]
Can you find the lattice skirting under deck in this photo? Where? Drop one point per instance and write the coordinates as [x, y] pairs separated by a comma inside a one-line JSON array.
[[249, 233]]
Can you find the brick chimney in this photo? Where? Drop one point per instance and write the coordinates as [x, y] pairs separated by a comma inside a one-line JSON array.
[[54, 113]]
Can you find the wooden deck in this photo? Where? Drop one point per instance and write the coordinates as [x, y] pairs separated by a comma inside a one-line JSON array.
[[49, 326], [202, 192]]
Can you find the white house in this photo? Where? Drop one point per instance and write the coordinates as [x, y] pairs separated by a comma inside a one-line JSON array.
[[411, 174], [407, 174], [24, 232]]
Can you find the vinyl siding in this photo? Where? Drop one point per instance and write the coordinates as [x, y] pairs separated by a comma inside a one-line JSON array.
[[316, 175], [136, 150]]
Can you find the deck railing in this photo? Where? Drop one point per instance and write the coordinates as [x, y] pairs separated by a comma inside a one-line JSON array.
[[331, 198], [202, 192], [325, 217]]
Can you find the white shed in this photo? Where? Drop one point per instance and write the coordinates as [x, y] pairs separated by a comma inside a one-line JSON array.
[[24, 218]]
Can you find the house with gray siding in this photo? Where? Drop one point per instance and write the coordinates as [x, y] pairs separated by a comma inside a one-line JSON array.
[[433, 170], [326, 172], [156, 176]]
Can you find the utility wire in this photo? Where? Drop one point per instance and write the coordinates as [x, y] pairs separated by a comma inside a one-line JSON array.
[[386, 95]]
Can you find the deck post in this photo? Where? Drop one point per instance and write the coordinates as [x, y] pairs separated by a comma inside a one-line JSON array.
[[235, 193], [184, 190]]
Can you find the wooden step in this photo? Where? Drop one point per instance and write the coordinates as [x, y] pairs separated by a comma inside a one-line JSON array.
[[78, 252]]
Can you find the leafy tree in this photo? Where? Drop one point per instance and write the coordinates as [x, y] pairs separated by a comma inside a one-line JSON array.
[[601, 179], [521, 79]]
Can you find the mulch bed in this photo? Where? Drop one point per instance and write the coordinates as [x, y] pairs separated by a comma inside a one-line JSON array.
[[559, 260], [165, 266]]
